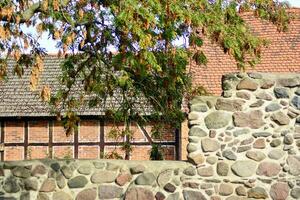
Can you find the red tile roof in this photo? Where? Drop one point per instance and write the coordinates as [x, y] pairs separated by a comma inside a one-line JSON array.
[[281, 55]]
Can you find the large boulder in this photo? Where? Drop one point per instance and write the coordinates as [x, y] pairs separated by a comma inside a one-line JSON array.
[[252, 119], [217, 119], [244, 168]]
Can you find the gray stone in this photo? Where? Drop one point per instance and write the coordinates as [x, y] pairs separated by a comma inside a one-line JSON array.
[[138, 193], [276, 154], [272, 107], [11, 185], [222, 169], [21, 172], [216, 120], [247, 84], [197, 131], [239, 132], [174, 196], [87, 194], [164, 177], [261, 134], [206, 171], [297, 92], [193, 116], [39, 170], [103, 177], [289, 82], [259, 143], [193, 195], [145, 179], [280, 118], [288, 139], [252, 119], [25, 196], [267, 84], [60, 181], [192, 147], [264, 96], [66, 171], [190, 171], [209, 145], [169, 187], [42, 196], [269, 169], [99, 165], [295, 193], [257, 193], [275, 143], [196, 158], [244, 168], [243, 148], [190, 185], [229, 105], [296, 102], [211, 160], [61, 195], [137, 169], [55, 166], [257, 104], [247, 141], [279, 191], [294, 165], [48, 185], [109, 192], [77, 182], [160, 196], [229, 155], [199, 107], [112, 166], [225, 189], [31, 184], [256, 155], [243, 95], [255, 75], [241, 191], [194, 139], [281, 93]]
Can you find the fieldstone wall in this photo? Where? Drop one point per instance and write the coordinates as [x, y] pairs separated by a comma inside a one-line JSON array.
[[249, 139], [244, 145], [100, 179]]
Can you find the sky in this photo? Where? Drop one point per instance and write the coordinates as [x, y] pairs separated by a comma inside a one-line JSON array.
[[49, 44]]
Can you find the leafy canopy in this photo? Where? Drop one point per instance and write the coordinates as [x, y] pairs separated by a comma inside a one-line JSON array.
[[147, 69]]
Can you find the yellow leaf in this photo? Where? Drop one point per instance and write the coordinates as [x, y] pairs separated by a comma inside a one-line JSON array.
[[2, 33], [55, 4], [46, 93], [39, 28], [56, 35], [80, 13], [26, 45], [17, 54], [18, 19], [39, 62], [45, 5], [69, 40]]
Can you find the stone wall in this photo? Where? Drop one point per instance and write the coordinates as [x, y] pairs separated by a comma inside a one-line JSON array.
[[244, 145], [98, 179], [249, 139]]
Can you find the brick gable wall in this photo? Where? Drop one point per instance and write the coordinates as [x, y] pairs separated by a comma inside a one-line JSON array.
[[282, 54]]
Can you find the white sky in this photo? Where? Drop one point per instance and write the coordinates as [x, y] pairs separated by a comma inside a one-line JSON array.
[[49, 44]]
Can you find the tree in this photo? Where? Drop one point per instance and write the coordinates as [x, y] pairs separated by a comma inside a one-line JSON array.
[[148, 71]]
